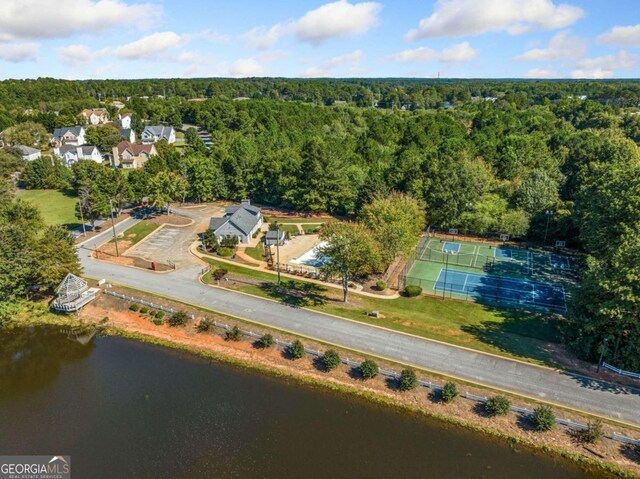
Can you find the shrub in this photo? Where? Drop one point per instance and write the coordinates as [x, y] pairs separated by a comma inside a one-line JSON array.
[[368, 369], [498, 406], [223, 251], [158, 322], [178, 319], [543, 418], [160, 314], [144, 310], [219, 273], [266, 341], [133, 307], [449, 392], [330, 359], [230, 242], [234, 334], [408, 380], [204, 325], [296, 350], [412, 290], [381, 285], [593, 434]]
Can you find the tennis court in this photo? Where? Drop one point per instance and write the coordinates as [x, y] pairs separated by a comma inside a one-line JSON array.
[[517, 277], [497, 288]]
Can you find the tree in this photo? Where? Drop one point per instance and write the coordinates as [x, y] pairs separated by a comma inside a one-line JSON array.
[[56, 256], [28, 133], [498, 406], [45, 173], [396, 221], [350, 251], [92, 204], [209, 240], [407, 380], [537, 192], [105, 137], [234, 334], [206, 179], [330, 359], [449, 392], [543, 418], [162, 189], [368, 369], [296, 350], [593, 434]]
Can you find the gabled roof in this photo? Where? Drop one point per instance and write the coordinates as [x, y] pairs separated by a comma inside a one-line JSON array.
[[125, 132], [64, 149], [87, 150], [242, 217], [26, 150], [273, 235], [134, 149], [158, 130], [75, 130]]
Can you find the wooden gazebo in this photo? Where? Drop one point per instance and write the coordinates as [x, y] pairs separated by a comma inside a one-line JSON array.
[[73, 293]]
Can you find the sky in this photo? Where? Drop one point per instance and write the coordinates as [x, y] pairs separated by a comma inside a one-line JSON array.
[[81, 39]]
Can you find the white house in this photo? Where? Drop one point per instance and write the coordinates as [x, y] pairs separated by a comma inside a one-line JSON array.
[[68, 135], [124, 121], [95, 116], [154, 133], [241, 221], [71, 154], [27, 153], [128, 134]]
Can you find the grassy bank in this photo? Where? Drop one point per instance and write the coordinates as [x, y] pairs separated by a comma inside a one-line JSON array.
[[58, 207], [509, 333], [139, 231]]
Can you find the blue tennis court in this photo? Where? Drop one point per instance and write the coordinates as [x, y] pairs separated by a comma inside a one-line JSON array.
[[451, 247], [497, 288], [559, 262]]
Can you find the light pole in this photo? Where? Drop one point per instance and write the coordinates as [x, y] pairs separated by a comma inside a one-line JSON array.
[[278, 250], [549, 214], [113, 226]]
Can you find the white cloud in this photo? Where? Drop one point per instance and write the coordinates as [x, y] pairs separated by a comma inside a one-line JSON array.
[[460, 52], [75, 55], [541, 73], [18, 52], [151, 46], [350, 60], [455, 18], [606, 66], [247, 67], [560, 46], [628, 36], [62, 18], [595, 74], [333, 20]]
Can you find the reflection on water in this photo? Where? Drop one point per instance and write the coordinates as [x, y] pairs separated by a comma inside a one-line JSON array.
[[127, 409]]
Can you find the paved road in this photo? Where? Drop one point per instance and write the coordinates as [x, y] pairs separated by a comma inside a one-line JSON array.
[[566, 389]]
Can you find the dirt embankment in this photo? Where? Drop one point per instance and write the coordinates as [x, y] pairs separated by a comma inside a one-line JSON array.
[[461, 411]]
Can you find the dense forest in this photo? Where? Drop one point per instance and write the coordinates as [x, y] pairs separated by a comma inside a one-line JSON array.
[[535, 159]]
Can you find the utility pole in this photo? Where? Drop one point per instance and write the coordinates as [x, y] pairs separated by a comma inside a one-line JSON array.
[[113, 226], [278, 250], [84, 228]]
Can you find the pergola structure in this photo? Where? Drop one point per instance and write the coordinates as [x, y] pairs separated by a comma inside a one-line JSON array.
[[73, 294]]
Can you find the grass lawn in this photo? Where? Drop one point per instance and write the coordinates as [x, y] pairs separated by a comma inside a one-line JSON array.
[[256, 252], [509, 333], [291, 229], [57, 207], [139, 231], [311, 228], [302, 220]]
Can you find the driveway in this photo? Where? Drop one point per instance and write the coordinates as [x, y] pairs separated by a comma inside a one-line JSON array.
[[562, 388]]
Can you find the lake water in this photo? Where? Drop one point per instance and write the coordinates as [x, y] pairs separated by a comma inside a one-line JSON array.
[[123, 409]]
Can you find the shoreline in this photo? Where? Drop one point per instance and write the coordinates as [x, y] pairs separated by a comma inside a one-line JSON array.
[[223, 351]]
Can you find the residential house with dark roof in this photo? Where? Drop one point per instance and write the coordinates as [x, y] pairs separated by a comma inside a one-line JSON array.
[[129, 155], [128, 134], [27, 153], [241, 221], [68, 135], [71, 154], [154, 133]]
